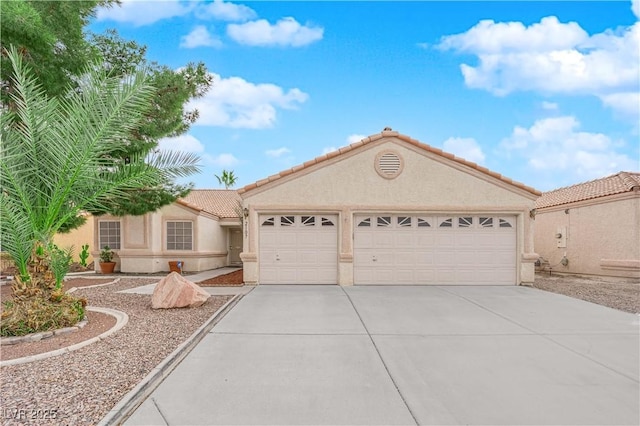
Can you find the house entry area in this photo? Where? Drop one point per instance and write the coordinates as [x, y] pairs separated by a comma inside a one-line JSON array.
[[298, 249]]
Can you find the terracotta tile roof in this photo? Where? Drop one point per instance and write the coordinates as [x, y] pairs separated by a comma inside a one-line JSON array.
[[220, 202], [610, 185], [384, 134]]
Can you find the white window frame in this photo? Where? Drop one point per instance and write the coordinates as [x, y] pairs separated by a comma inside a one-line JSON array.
[[175, 242], [114, 244]]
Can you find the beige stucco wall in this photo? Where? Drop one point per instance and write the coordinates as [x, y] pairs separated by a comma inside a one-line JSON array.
[[602, 236], [349, 184], [77, 238], [143, 241]]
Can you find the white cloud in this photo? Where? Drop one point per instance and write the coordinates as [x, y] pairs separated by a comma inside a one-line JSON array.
[[549, 106], [285, 32], [354, 138], [277, 153], [466, 148], [143, 12], [237, 103], [222, 160], [186, 143], [556, 145], [328, 149], [226, 11], [625, 103], [635, 8], [199, 36], [549, 57]]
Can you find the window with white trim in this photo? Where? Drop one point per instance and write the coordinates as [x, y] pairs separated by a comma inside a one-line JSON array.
[[109, 234], [179, 235]]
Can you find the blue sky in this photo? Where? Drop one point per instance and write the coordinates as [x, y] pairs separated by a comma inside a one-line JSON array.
[[546, 93]]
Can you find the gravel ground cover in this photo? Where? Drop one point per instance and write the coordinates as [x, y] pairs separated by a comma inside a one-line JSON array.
[[82, 386], [617, 293]]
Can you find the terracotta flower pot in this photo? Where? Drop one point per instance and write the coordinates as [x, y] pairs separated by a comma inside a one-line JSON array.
[[176, 266], [107, 267]]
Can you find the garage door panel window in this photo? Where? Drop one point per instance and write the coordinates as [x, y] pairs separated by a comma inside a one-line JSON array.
[[179, 235], [384, 221], [327, 222], [308, 220], [287, 220], [465, 222], [404, 221], [365, 222], [445, 223], [423, 223], [505, 223], [486, 222], [269, 221]]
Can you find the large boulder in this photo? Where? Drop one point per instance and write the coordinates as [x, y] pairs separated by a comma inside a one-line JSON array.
[[175, 291]]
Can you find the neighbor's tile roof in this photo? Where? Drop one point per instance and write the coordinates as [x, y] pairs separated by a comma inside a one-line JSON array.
[[610, 185], [387, 133], [223, 203]]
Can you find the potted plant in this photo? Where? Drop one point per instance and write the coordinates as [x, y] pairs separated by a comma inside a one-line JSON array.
[[107, 264]]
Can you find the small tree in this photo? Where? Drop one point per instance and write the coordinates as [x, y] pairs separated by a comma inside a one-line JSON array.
[[228, 179], [53, 165]]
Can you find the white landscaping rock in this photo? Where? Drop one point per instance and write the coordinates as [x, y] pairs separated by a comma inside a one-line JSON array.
[[175, 291]]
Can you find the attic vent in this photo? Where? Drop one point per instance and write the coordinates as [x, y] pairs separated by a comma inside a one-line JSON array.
[[389, 164]]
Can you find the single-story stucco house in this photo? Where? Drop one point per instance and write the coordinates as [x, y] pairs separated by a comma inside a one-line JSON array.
[[388, 210], [592, 227], [202, 230]]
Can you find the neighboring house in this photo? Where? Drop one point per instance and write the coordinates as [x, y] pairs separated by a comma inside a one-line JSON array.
[[203, 230], [388, 210], [594, 226]]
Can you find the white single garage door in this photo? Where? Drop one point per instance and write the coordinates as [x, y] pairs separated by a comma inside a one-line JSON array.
[[446, 249], [298, 249]]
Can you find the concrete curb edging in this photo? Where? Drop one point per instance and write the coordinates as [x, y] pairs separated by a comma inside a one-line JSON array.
[[136, 396], [72, 289], [121, 320]]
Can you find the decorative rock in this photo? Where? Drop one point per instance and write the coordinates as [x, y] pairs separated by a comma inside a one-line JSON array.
[[175, 291]]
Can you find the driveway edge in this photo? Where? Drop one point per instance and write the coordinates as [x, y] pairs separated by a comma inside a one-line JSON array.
[[136, 396]]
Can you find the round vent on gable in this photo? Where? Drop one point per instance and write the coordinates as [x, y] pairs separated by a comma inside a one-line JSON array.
[[389, 164]]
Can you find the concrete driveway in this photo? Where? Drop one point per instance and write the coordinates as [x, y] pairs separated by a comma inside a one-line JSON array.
[[407, 355]]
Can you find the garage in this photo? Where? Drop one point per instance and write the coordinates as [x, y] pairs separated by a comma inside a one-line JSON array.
[[388, 210], [298, 249], [434, 249]]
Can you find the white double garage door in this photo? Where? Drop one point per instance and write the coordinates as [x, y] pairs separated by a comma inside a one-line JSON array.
[[390, 249]]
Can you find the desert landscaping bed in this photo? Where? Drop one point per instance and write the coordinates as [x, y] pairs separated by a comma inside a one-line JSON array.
[[617, 293], [82, 386]]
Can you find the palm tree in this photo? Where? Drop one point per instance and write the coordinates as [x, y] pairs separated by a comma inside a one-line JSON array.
[[54, 162], [227, 178]]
